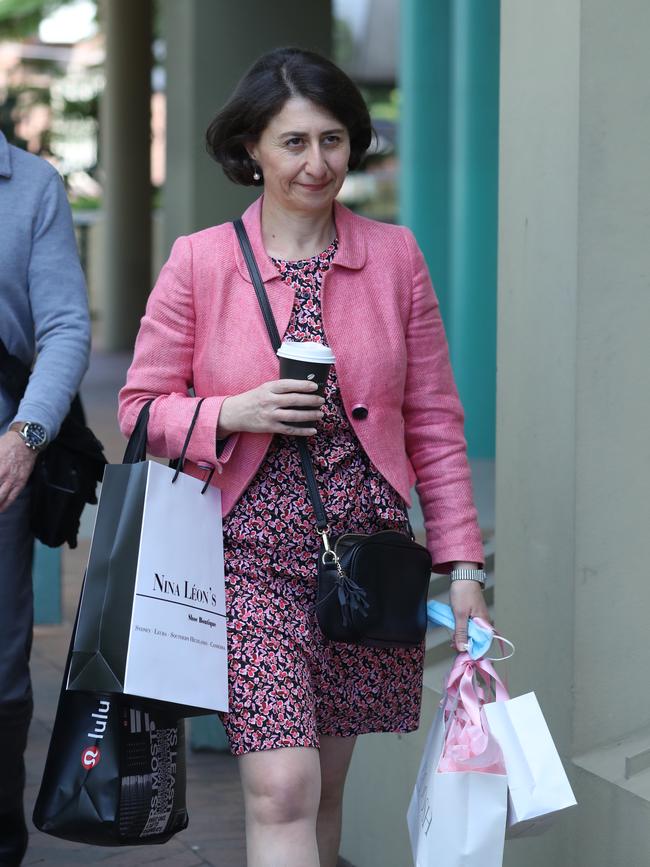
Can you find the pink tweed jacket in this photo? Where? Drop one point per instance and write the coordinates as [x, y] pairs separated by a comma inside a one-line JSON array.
[[203, 328]]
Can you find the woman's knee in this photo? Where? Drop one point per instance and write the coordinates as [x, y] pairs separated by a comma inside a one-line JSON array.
[[281, 789]]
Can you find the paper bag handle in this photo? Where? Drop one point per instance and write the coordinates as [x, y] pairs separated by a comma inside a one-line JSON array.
[[136, 448], [181, 460]]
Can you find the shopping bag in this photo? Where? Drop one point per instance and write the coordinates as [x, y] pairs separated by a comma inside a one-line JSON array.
[[115, 774], [152, 621], [457, 814], [538, 788]]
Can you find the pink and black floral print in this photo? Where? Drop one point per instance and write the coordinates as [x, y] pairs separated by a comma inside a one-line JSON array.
[[287, 684]]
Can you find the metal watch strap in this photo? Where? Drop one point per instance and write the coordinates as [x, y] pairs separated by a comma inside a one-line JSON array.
[[276, 342], [461, 574]]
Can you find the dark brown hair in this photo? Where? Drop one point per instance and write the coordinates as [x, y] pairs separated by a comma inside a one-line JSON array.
[[262, 93]]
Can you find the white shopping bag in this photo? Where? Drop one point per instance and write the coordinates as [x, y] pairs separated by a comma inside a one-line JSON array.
[[537, 783], [152, 621], [457, 818]]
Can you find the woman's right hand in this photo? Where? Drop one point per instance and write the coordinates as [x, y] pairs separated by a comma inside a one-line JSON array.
[[265, 409]]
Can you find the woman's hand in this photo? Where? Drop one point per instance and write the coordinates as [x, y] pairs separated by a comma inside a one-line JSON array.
[[265, 409], [467, 600]]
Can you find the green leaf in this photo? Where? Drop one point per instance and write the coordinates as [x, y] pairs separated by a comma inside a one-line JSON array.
[[20, 18]]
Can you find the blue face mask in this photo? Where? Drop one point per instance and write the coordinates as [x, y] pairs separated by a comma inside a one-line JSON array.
[[479, 639]]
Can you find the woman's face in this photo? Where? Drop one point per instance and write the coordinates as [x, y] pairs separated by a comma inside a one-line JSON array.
[[303, 154]]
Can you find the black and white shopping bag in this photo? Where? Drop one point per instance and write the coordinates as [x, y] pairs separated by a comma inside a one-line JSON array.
[[152, 621], [115, 773]]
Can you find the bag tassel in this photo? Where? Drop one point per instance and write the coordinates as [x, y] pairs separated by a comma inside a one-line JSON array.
[[352, 597]]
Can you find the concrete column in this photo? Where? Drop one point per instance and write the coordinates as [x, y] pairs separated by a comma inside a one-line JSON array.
[[125, 143], [473, 168], [572, 508], [210, 45]]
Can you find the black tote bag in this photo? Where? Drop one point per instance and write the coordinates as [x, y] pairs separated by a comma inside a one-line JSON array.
[[115, 774]]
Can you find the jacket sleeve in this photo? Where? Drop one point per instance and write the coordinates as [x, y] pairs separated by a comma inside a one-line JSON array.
[[59, 306], [162, 370], [433, 425]]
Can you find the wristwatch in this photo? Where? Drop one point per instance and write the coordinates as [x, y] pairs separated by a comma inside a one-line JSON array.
[[468, 575], [32, 434]]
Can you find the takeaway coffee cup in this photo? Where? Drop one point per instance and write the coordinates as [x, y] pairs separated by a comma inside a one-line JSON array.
[[306, 361]]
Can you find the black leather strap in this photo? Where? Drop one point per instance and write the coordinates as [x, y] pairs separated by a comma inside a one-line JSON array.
[[276, 342], [312, 484], [260, 291], [14, 375]]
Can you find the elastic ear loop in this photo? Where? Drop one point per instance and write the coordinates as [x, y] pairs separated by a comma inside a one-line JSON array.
[[501, 641], [485, 625], [502, 658], [181, 460]]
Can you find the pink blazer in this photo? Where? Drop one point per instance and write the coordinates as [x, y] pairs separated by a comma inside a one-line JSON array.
[[203, 328]]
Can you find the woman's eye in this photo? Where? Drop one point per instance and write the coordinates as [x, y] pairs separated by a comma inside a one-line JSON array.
[[332, 139], [294, 142]]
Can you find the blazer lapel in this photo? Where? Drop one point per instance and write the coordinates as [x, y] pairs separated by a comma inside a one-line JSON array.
[[351, 255]]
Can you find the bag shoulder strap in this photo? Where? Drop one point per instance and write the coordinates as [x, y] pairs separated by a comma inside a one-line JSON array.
[[260, 291], [276, 342], [14, 374]]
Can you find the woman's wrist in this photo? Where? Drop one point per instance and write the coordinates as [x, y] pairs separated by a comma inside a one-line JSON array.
[[226, 421], [463, 571]]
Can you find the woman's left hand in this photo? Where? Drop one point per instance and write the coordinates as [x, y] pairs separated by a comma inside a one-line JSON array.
[[467, 600]]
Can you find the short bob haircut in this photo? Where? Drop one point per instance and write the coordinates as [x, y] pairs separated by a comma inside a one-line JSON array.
[[262, 93]]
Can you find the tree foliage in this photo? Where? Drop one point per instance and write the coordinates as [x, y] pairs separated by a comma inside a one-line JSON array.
[[19, 19]]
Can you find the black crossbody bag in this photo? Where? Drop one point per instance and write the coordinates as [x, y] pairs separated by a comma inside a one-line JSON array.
[[66, 473], [372, 589]]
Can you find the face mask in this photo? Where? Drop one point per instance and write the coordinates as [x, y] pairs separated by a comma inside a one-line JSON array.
[[479, 633]]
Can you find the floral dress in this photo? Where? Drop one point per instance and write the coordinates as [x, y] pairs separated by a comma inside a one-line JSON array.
[[288, 685]]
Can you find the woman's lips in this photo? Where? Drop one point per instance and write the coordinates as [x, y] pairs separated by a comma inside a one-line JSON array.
[[315, 187]]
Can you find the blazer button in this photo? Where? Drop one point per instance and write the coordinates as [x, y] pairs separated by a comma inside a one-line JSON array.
[[359, 411]]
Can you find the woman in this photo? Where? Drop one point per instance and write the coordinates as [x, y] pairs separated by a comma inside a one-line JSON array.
[[390, 415]]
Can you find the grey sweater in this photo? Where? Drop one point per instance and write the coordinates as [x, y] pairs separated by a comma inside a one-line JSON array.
[[43, 302]]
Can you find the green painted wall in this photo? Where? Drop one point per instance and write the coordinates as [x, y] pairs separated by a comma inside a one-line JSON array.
[[46, 576], [449, 183], [424, 133]]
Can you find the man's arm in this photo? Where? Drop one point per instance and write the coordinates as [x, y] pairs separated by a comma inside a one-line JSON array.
[[58, 300]]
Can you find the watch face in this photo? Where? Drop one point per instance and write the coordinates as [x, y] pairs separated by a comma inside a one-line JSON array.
[[35, 435]]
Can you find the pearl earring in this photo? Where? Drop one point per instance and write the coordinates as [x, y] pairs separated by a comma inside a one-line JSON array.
[[256, 175]]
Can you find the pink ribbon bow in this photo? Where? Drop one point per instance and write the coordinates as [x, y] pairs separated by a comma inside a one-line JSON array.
[[468, 745]]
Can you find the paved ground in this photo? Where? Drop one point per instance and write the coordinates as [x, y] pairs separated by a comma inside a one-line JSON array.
[[215, 835]]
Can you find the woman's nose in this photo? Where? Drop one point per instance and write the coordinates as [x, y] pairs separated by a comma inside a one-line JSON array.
[[315, 163]]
